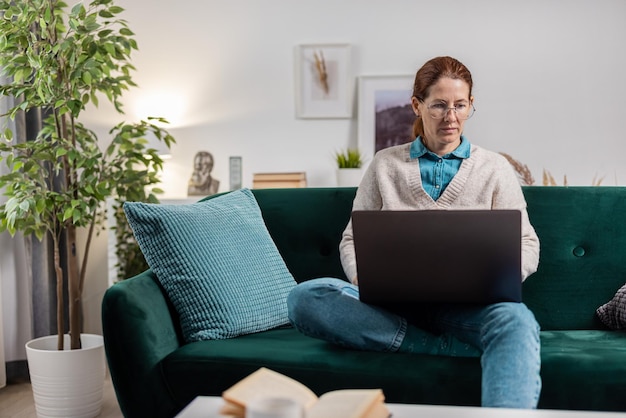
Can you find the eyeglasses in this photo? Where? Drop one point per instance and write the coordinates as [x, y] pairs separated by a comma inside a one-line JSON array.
[[461, 110]]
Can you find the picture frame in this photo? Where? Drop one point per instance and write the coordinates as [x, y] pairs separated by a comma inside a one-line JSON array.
[[323, 81], [385, 116]]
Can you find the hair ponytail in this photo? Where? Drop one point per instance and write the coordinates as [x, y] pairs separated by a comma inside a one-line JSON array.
[[418, 127]]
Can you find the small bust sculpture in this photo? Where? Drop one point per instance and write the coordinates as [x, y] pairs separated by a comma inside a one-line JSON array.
[[201, 182]]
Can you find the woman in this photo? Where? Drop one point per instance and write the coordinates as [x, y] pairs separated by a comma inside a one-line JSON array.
[[440, 169]]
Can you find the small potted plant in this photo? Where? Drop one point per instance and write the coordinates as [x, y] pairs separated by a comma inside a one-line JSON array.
[[349, 167]]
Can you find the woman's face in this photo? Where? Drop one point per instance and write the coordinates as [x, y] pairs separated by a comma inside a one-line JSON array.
[[442, 136]]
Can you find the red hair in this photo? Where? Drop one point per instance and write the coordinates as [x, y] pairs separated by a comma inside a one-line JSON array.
[[429, 74]]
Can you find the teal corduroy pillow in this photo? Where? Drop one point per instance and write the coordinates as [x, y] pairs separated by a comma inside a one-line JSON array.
[[217, 263]]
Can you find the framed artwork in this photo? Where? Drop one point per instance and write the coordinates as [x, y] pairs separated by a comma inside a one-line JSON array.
[[323, 81], [385, 115]]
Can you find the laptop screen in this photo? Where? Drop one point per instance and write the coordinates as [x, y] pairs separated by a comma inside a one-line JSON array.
[[468, 256]]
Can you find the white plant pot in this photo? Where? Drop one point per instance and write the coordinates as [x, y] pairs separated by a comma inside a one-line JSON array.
[[67, 383], [349, 177]]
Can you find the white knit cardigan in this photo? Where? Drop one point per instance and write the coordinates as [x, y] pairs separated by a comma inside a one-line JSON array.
[[485, 180]]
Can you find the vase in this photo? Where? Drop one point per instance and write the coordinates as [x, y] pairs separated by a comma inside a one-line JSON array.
[[349, 177], [67, 383]]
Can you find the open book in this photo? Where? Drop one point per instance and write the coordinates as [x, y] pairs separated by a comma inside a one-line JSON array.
[[266, 383]]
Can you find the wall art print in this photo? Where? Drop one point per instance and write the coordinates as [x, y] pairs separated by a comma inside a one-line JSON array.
[[323, 81], [385, 116]]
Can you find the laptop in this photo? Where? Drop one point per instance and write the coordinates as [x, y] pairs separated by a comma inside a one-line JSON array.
[[424, 256]]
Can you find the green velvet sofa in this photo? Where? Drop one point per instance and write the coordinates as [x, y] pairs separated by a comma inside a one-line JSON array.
[[583, 263]]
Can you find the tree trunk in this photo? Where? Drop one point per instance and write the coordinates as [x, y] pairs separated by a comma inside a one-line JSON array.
[[73, 286], [59, 276]]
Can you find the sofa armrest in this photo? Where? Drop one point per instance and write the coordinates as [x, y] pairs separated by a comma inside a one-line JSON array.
[[139, 332]]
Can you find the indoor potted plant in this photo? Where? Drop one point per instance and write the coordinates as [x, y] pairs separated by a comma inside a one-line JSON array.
[[349, 167], [60, 61]]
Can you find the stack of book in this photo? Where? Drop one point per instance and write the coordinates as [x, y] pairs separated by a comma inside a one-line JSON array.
[[278, 180]]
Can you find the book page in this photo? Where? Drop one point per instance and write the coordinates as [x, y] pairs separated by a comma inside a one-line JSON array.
[[350, 403], [265, 383]]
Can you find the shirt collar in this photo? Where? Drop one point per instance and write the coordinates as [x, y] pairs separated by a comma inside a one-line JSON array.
[[418, 149]]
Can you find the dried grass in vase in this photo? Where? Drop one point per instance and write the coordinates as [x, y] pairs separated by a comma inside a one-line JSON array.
[[522, 170]]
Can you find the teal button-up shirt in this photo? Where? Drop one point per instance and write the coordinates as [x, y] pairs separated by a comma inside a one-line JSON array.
[[438, 171]]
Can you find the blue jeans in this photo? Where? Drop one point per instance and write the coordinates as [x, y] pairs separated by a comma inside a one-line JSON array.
[[505, 335]]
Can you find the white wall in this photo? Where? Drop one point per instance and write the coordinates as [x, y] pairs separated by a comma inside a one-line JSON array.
[[549, 78]]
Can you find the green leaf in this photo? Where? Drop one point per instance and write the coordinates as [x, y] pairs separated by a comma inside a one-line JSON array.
[[116, 9], [40, 205], [94, 98], [78, 9], [110, 48], [105, 14], [91, 23], [74, 23], [103, 189], [18, 76], [69, 212], [75, 106], [76, 216], [104, 33], [11, 223], [87, 78]]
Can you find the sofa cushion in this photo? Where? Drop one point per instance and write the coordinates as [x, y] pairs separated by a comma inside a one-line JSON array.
[[583, 369], [217, 263], [613, 313], [580, 369], [210, 367]]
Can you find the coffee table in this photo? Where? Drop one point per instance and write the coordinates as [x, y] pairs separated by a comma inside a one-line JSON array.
[[209, 406]]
